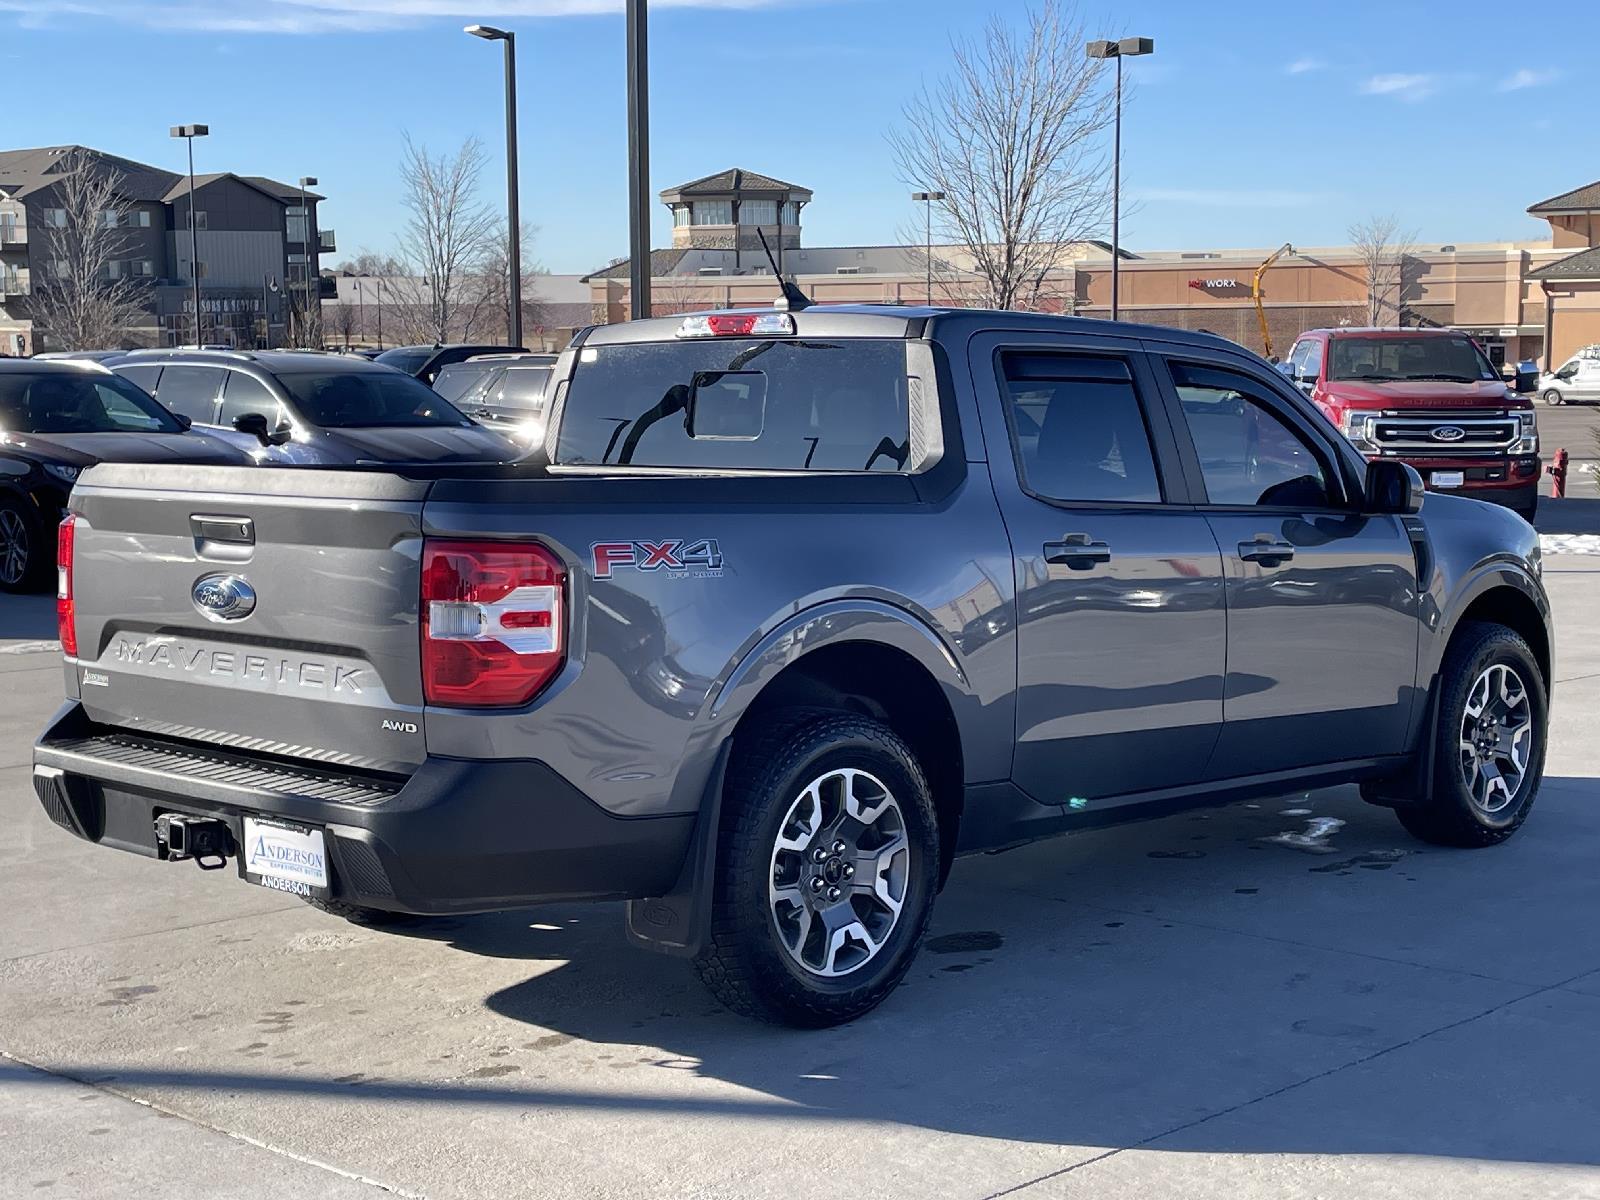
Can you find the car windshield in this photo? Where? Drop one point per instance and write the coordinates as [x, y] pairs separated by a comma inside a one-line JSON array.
[[455, 380], [78, 401], [1446, 359], [366, 400], [405, 358]]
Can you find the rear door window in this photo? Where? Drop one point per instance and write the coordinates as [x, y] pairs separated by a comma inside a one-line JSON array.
[[247, 394], [740, 403], [144, 376], [522, 389], [191, 391]]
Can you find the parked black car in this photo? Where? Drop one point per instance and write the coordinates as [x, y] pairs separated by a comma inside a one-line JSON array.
[[506, 392], [423, 362], [290, 408], [56, 419]]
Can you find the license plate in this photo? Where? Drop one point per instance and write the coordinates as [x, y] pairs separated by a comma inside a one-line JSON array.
[[285, 857], [1448, 479]]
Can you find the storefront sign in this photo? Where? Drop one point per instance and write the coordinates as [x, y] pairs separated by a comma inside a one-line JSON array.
[[1206, 285], [225, 304]]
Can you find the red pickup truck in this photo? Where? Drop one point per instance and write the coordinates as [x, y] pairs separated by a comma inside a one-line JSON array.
[[1430, 398]]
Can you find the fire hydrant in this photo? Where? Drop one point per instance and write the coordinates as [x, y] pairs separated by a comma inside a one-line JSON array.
[[1558, 475]]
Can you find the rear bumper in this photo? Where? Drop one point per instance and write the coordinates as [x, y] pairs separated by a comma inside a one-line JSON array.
[[456, 836]]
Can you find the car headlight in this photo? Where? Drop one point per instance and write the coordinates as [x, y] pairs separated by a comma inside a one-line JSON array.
[[1358, 428], [67, 475], [1527, 434]]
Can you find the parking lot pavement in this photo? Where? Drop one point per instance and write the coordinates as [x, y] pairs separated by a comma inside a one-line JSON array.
[[1174, 1008]]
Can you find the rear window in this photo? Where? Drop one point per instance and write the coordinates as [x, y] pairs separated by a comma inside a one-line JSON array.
[[456, 380], [523, 389], [739, 403], [1384, 359], [78, 402], [366, 400], [405, 358]]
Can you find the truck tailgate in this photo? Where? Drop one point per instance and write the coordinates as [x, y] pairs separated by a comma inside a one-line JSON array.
[[324, 666]]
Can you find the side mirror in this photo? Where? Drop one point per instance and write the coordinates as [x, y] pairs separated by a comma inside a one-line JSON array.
[[184, 423], [256, 426], [1527, 382], [1287, 370], [1393, 487]]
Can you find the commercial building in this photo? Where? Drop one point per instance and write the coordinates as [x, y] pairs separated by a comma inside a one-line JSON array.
[[391, 310], [259, 243], [1536, 299]]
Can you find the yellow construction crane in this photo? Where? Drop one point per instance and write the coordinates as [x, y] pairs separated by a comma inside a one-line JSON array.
[[1255, 294]]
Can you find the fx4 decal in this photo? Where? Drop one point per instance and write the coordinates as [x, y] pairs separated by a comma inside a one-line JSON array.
[[676, 555]]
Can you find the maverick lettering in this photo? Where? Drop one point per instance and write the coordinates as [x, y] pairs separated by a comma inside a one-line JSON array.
[[272, 670]]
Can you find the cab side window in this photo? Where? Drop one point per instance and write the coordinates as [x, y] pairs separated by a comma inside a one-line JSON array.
[[1311, 365], [247, 394], [1248, 454], [191, 391], [1078, 428]]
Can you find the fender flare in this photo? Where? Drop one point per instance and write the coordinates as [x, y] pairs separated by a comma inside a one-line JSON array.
[[677, 923]]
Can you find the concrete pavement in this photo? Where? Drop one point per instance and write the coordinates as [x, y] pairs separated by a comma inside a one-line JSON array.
[[1174, 1008]]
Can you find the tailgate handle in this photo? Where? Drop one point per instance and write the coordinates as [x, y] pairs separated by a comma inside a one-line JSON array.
[[232, 531]]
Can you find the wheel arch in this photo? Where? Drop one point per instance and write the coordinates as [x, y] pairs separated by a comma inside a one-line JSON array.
[[1509, 598]]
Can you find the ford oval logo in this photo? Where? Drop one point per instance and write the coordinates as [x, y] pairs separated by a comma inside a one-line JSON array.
[[224, 597], [1448, 433]]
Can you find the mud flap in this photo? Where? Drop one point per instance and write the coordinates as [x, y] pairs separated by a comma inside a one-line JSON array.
[[1414, 785], [678, 922]]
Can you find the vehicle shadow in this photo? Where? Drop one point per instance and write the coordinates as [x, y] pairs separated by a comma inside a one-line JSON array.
[[1574, 514], [27, 618], [1133, 983]]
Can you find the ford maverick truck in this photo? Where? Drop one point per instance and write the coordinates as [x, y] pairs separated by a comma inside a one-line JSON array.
[[791, 608]]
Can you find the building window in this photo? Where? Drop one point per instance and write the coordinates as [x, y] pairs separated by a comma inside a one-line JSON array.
[[200, 219], [758, 212], [713, 212], [144, 267], [295, 227], [183, 269], [680, 214], [114, 269], [791, 212], [55, 218]]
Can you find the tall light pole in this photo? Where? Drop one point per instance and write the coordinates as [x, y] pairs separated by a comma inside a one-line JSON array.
[[513, 220], [189, 133], [929, 199], [639, 266], [1129, 47], [306, 325]]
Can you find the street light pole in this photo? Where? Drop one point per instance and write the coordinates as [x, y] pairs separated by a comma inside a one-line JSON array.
[[639, 265], [513, 219], [928, 199], [306, 325], [189, 133], [1130, 47]]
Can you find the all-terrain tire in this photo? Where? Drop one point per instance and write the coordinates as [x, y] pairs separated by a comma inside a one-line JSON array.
[[1449, 816], [746, 963]]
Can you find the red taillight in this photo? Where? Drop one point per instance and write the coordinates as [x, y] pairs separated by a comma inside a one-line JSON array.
[[66, 613], [492, 630]]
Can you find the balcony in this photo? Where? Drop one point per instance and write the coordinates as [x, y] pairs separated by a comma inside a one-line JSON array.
[[325, 242], [13, 235], [13, 284], [327, 287]]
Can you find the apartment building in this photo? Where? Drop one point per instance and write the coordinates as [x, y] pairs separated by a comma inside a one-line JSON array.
[[258, 243]]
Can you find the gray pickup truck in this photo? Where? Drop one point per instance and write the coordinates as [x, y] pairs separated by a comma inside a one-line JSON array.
[[792, 608]]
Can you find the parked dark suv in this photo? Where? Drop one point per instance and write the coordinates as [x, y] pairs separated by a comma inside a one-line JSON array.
[[504, 391], [423, 362], [58, 418], [300, 409]]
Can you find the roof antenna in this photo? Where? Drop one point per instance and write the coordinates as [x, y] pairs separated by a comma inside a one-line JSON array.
[[792, 299]]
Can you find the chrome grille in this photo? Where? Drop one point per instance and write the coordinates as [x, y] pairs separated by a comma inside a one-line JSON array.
[[1433, 433]]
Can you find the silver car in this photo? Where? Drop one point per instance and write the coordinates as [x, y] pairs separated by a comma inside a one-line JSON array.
[[1576, 381]]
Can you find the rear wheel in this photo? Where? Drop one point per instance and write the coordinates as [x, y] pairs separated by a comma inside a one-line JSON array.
[[828, 861], [25, 561], [1489, 756], [1553, 397]]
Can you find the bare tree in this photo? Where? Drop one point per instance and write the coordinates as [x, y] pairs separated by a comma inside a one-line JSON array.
[[448, 235], [1011, 136], [1382, 248], [341, 320], [88, 297], [494, 275]]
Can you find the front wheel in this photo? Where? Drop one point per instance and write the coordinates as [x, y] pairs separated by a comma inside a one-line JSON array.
[[25, 560], [827, 864], [1553, 398], [1489, 757]]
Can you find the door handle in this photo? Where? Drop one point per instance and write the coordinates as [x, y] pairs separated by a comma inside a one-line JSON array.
[[1266, 552], [1077, 552]]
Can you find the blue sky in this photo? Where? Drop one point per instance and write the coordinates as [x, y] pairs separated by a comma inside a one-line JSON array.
[[1253, 124]]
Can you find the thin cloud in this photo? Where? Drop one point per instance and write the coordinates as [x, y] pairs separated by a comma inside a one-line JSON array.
[[1230, 197], [1402, 87], [319, 16], [1301, 65], [1526, 78]]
